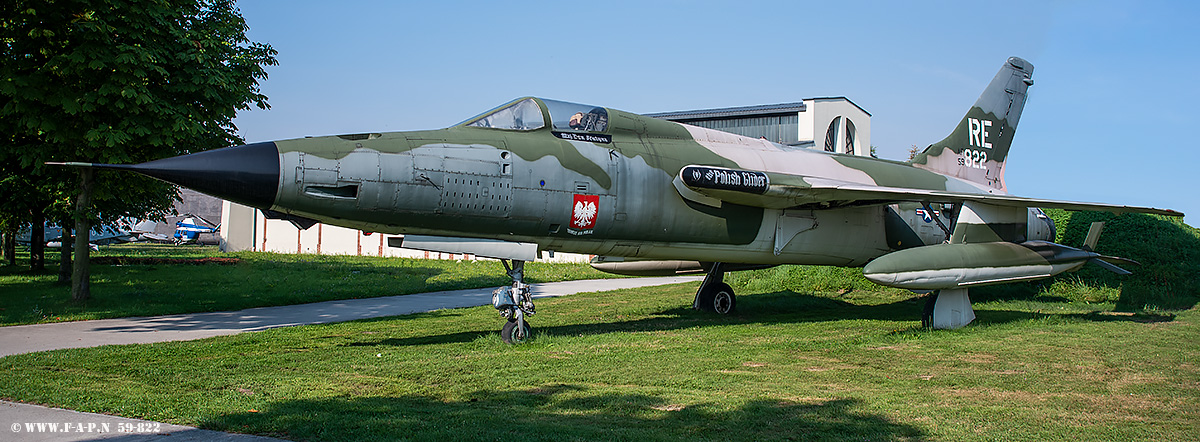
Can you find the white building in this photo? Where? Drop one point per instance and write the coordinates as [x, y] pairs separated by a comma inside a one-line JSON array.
[[834, 124]]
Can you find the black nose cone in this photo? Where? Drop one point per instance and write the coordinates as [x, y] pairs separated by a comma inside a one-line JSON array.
[[246, 174]]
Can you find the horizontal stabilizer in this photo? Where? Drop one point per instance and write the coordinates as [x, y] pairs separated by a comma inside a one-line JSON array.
[[1109, 266]]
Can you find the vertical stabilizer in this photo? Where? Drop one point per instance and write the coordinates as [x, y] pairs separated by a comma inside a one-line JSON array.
[[1093, 236], [976, 149]]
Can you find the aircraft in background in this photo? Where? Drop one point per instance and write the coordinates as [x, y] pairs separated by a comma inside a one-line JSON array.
[[146, 230], [100, 235], [651, 196], [187, 231]]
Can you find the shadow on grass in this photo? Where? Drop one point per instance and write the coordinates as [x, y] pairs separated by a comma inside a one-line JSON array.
[[562, 412], [783, 307]]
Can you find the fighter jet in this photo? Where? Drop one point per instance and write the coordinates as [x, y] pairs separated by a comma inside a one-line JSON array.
[[651, 196]]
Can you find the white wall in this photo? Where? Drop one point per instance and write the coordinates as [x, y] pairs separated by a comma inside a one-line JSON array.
[[822, 111], [241, 230]]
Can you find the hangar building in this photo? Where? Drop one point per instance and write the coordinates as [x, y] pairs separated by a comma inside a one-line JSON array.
[[834, 124]]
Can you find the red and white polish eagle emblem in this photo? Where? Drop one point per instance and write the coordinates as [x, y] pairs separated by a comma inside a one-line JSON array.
[[583, 214]]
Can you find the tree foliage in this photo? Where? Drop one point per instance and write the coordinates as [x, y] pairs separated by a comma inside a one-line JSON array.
[[114, 81]]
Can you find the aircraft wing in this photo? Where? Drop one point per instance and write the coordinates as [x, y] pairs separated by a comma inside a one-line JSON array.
[[708, 185], [156, 237]]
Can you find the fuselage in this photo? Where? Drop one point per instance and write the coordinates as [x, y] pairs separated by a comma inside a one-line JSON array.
[[611, 191]]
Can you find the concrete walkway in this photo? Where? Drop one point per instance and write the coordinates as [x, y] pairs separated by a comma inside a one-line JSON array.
[[41, 337], [23, 422]]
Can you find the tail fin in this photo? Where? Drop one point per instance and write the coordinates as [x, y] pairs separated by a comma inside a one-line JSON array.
[[977, 148], [1093, 236]]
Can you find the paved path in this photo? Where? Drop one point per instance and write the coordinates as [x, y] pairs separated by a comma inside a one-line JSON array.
[[23, 422], [40, 337]]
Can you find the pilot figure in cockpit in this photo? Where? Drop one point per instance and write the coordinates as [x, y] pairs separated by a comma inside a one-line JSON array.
[[595, 120]]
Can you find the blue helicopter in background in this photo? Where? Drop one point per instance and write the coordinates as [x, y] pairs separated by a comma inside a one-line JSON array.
[[187, 230]]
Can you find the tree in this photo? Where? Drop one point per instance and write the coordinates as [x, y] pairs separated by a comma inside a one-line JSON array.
[[913, 151], [27, 201], [121, 81]]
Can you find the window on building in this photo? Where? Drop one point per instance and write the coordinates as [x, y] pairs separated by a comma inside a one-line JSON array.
[[831, 135], [849, 137]]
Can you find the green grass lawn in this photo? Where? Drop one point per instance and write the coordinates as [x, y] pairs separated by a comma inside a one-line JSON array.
[[813, 353], [259, 279], [837, 364]]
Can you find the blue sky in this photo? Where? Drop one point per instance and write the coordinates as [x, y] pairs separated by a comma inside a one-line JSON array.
[[1111, 118]]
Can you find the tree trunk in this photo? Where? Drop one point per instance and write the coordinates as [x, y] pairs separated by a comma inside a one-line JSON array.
[[64, 251], [37, 241], [10, 247], [81, 284]]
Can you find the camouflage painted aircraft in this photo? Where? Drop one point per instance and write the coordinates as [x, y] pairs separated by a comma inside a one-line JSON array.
[[650, 196]]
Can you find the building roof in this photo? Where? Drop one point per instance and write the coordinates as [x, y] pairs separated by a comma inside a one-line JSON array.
[[745, 111], [843, 98], [726, 112]]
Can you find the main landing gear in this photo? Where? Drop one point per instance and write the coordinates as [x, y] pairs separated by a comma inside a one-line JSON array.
[[947, 310], [927, 312], [714, 294], [514, 303]]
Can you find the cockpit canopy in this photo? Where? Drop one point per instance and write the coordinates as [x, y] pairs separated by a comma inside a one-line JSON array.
[[527, 114]]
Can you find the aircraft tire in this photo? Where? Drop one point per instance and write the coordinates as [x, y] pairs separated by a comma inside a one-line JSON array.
[[719, 299], [508, 334]]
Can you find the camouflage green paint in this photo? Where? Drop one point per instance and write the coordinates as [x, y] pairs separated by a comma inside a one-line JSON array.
[[898, 232], [980, 233], [948, 256], [651, 150], [894, 174]]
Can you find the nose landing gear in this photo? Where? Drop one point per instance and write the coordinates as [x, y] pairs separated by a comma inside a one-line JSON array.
[[514, 303]]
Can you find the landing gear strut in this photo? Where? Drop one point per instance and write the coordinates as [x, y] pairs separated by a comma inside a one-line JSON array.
[[927, 312], [947, 309], [714, 294], [514, 303]]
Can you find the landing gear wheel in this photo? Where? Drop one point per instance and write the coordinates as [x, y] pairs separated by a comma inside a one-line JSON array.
[[724, 302], [717, 298], [510, 334]]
